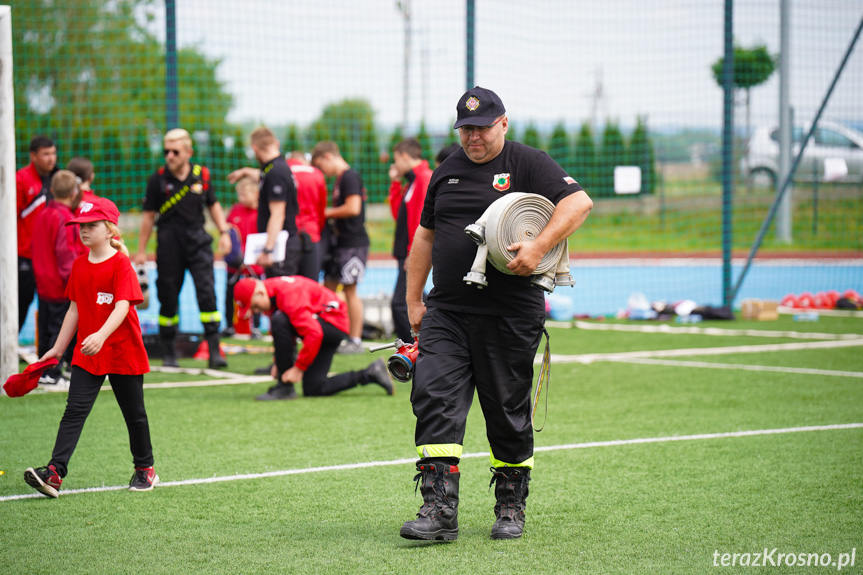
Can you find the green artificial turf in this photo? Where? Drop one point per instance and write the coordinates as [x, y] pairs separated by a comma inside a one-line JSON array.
[[657, 506]]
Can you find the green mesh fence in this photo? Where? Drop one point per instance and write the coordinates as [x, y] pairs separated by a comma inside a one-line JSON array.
[[599, 85]]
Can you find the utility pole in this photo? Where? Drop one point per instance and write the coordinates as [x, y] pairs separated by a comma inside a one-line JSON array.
[[404, 7], [783, 215], [172, 99]]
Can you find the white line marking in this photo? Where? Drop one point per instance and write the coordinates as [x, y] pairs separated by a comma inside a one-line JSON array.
[[665, 328], [801, 370], [592, 357], [412, 460]]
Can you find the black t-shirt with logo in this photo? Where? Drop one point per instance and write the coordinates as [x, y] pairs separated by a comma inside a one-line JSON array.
[[180, 203], [459, 193], [277, 185], [350, 232]]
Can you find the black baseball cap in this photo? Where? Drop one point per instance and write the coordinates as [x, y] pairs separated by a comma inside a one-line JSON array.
[[478, 107]]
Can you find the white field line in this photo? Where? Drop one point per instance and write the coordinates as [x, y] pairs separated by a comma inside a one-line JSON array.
[[412, 460], [593, 357], [665, 328], [704, 364]]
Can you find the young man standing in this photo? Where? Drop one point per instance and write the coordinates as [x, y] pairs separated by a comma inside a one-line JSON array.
[[406, 202], [345, 262], [33, 185]]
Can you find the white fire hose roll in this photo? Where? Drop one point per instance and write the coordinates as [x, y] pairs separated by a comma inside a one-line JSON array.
[[517, 217]]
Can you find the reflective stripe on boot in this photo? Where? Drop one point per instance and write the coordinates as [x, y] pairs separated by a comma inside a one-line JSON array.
[[437, 519], [511, 492]]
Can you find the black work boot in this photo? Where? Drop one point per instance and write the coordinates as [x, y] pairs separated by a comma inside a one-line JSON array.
[[169, 353], [437, 519], [216, 360], [511, 491]]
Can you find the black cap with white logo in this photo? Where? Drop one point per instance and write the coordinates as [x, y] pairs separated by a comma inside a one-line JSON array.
[[478, 107]]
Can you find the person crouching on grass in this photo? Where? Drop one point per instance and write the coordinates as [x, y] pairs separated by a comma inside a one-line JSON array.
[[301, 308], [103, 289]]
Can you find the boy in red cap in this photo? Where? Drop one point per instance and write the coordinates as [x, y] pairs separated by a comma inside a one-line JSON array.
[[103, 289], [302, 308]]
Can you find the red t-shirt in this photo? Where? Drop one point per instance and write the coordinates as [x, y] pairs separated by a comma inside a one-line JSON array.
[[96, 288], [245, 219], [311, 198]]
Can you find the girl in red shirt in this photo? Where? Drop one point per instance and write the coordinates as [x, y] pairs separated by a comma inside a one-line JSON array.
[[103, 289]]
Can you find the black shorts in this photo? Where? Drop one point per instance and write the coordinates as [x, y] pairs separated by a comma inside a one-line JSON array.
[[346, 265]]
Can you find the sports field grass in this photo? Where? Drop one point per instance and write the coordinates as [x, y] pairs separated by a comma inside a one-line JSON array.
[[642, 468]]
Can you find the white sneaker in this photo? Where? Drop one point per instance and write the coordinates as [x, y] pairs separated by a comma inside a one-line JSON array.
[[350, 347], [59, 383]]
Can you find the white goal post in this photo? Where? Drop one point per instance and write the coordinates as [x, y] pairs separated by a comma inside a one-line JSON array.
[[8, 220]]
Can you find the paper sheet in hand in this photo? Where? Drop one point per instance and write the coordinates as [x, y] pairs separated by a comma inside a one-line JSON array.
[[255, 243]]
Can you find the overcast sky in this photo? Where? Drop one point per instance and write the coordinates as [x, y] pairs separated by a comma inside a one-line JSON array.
[[285, 60]]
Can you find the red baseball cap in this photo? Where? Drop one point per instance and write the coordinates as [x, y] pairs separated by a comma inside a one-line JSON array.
[[96, 210], [243, 291], [20, 384]]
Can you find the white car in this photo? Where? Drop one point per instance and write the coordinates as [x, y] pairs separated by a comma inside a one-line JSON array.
[[831, 141]]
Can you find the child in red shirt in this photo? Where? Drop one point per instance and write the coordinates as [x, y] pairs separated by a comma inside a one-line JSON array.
[[55, 247], [103, 290], [243, 220]]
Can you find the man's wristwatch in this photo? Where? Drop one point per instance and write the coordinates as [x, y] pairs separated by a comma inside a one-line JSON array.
[[266, 251]]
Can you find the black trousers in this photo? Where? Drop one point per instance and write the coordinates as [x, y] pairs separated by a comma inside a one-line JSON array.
[[291, 265], [51, 316], [315, 380], [26, 288], [460, 353], [83, 389], [310, 259], [233, 278], [399, 305], [180, 249]]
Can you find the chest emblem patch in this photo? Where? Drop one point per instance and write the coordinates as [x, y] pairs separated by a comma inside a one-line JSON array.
[[106, 298], [501, 182]]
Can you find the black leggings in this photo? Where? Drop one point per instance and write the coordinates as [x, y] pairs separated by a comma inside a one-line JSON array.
[[83, 389], [315, 380]]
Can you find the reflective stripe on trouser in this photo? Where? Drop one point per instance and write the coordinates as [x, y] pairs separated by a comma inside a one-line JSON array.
[[495, 462], [178, 249], [462, 352], [168, 321], [438, 451]]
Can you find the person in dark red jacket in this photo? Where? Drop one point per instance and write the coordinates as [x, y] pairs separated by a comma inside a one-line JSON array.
[[304, 309], [312, 200], [32, 186], [410, 176], [54, 249]]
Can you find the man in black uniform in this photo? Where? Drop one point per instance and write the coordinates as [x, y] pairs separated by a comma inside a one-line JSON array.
[[483, 340], [277, 204], [179, 191]]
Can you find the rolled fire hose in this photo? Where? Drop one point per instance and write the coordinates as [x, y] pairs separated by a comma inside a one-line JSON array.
[[517, 217]]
